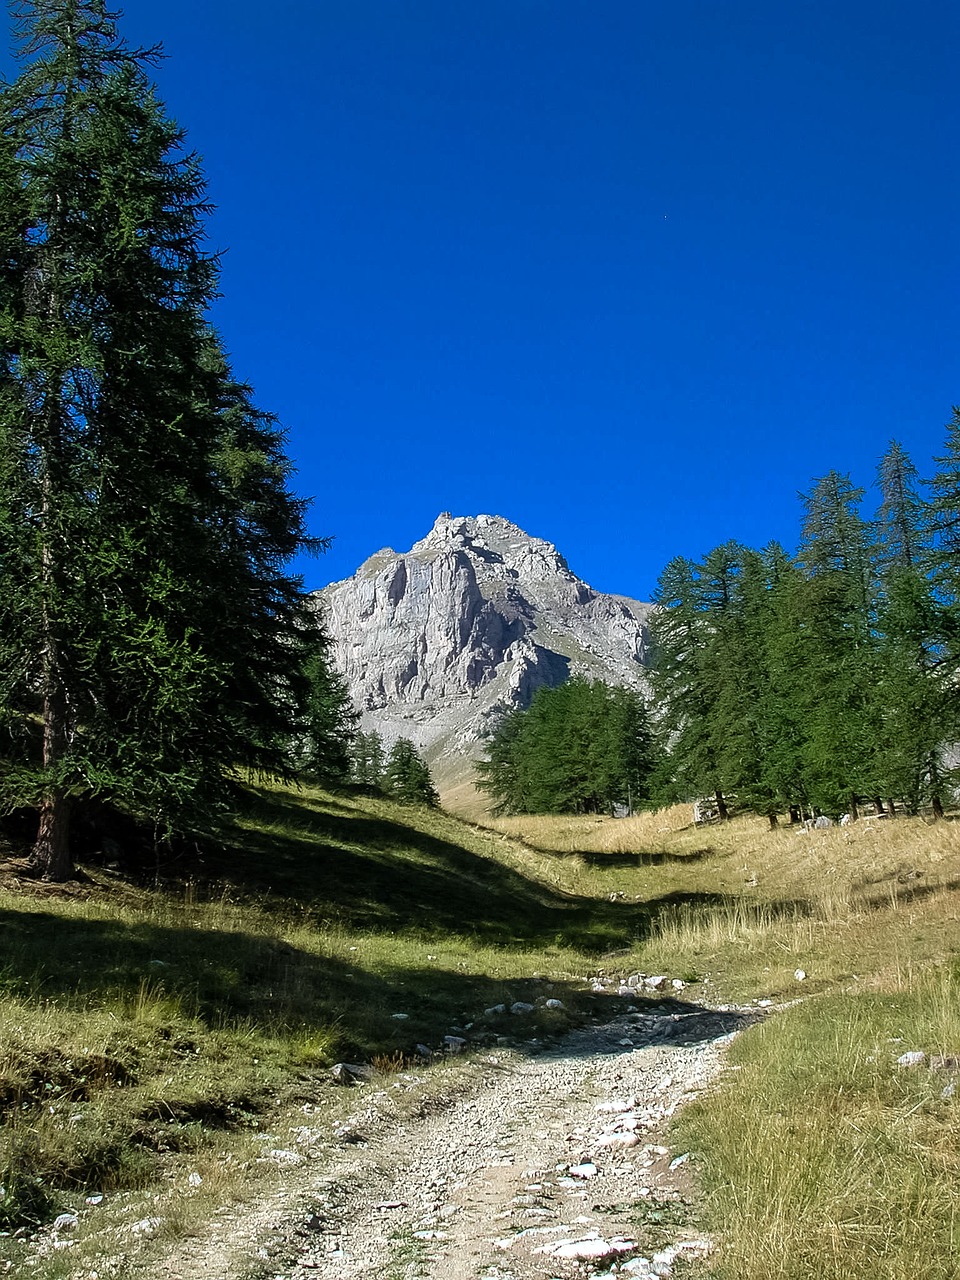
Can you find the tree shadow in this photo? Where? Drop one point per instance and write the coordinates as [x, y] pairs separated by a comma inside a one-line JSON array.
[[901, 891], [220, 977], [384, 875], [591, 858]]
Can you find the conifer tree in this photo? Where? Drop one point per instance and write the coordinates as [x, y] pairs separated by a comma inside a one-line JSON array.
[[755, 734], [838, 646], [326, 752], [685, 676], [407, 777], [147, 620], [915, 709], [781, 637], [367, 759], [943, 559], [582, 747]]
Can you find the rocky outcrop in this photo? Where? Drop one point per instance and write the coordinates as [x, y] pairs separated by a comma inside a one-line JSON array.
[[436, 642]]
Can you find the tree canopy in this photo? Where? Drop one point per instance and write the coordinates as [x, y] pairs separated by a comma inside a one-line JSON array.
[[407, 777], [583, 747]]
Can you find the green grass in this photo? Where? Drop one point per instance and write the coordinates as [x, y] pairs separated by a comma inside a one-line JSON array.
[[145, 1025], [826, 1158], [151, 1027]]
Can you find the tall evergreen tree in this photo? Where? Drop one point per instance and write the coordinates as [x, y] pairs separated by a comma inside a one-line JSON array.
[[686, 684], [407, 777], [780, 631], [943, 559], [838, 646], [367, 759], [331, 721], [915, 707], [147, 619]]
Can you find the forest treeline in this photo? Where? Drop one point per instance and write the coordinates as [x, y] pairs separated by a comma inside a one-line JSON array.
[[782, 684], [582, 747], [820, 681]]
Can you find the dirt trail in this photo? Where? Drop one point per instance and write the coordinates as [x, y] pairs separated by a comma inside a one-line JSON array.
[[524, 1168]]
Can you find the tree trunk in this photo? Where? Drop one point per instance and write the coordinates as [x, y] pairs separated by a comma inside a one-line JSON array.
[[772, 819], [796, 816], [936, 799], [891, 809], [51, 853], [878, 805], [722, 812]]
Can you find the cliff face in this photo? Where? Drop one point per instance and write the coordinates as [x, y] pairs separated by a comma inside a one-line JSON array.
[[436, 642]]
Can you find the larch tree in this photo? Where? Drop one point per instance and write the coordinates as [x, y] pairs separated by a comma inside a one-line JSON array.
[[326, 751], [367, 759], [582, 747], [148, 624], [915, 707], [838, 646], [686, 686]]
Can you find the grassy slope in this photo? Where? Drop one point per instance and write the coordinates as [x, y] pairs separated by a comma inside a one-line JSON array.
[[142, 1027], [823, 1155], [143, 1024]]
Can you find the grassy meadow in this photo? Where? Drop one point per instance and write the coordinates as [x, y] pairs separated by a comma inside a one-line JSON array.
[[820, 1154], [155, 1025]]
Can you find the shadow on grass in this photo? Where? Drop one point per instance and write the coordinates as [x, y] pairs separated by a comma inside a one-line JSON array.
[[232, 978], [591, 858], [899, 890], [322, 861], [370, 872]]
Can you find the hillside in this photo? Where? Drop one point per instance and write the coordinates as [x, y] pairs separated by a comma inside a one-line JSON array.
[[156, 1036]]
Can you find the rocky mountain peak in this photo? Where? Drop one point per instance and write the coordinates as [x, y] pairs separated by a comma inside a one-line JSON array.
[[437, 642], [494, 543]]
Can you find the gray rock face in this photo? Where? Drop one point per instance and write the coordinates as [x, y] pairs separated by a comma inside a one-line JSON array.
[[435, 643]]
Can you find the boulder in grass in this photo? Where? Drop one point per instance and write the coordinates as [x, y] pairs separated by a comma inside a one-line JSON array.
[[348, 1073]]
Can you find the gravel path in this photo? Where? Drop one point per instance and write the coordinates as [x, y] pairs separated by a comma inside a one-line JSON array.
[[520, 1168]]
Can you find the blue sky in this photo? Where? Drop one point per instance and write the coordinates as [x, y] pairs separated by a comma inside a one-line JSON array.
[[629, 273]]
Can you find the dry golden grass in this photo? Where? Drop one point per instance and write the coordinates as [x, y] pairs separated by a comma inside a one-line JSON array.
[[870, 862], [821, 1154]]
